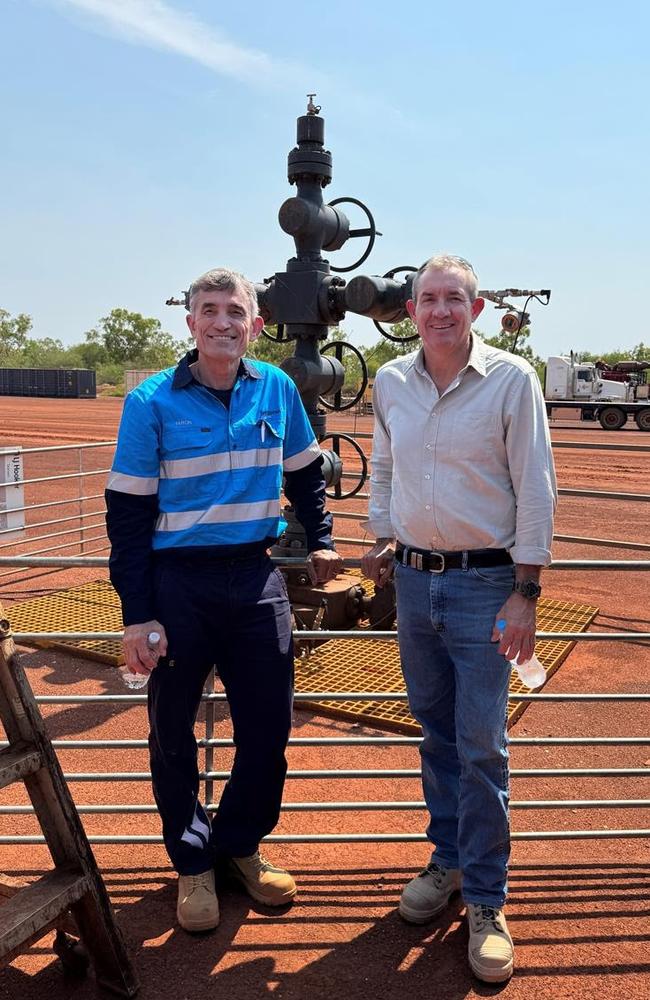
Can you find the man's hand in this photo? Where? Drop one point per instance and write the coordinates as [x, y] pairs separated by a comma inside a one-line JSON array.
[[379, 562], [518, 639], [323, 565], [140, 657]]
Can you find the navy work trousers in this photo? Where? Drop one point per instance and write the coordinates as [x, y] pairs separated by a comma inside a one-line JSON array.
[[235, 615]]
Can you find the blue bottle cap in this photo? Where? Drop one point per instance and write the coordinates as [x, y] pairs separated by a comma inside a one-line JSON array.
[[501, 624]]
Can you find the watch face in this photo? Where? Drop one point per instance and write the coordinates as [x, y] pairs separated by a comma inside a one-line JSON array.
[[528, 588]]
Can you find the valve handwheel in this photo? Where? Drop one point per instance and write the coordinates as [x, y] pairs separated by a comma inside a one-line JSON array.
[[339, 346], [337, 493], [389, 336], [370, 232]]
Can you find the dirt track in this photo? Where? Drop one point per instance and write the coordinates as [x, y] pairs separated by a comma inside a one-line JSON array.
[[578, 909]]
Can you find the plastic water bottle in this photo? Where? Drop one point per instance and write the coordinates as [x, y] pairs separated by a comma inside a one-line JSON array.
[[531, 672], [136, 682]]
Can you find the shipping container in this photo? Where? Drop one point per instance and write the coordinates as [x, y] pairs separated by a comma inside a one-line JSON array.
[[59, 383], [134, 377]]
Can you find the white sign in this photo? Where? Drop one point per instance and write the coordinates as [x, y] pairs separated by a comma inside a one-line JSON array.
[[12, 495]]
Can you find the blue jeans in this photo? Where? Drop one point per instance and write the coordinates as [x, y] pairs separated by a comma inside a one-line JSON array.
[[457, 686]]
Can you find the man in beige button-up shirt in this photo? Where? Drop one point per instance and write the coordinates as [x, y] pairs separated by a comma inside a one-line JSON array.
[[462, 500]]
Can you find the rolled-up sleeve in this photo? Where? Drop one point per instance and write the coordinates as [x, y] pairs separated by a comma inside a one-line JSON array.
[[532, 471]]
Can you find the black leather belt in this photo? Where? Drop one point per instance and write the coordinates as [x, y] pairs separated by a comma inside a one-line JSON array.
[[438, 562]]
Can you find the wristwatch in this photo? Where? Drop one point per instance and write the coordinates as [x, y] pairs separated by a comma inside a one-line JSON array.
[[529, 589]]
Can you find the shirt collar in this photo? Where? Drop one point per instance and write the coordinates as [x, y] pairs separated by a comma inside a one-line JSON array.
[[477, 355], [476, 360], [183, 376]]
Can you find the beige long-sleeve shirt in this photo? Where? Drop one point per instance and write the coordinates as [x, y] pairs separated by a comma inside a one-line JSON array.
[[470, 469]]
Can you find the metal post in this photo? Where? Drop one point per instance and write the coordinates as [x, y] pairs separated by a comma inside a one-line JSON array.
[[209, 735], [81, 519]]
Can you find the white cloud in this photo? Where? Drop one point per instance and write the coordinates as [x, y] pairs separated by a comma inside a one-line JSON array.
[[158, 25]]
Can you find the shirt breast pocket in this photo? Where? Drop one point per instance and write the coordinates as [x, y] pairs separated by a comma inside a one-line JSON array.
[[180, 442], [272, 430], [475, 435]]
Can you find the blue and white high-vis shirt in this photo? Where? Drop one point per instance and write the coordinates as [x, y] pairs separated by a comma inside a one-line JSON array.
[[216, 472]]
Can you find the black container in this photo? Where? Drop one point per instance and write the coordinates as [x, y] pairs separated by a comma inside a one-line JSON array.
[[58, 383]]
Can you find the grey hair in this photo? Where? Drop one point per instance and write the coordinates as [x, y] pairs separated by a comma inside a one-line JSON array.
[[222, 279], [448, 262]]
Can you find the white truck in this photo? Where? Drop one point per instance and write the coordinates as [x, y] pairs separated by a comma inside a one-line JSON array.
[[607, 393]]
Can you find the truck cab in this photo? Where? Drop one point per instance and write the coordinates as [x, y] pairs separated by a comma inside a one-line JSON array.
[[568, 379]]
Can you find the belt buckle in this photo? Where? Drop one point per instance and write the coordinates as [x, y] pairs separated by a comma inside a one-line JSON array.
[[441, 567]]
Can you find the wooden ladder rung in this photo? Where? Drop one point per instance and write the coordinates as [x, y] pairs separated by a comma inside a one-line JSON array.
[[31, 911], [16, 761]]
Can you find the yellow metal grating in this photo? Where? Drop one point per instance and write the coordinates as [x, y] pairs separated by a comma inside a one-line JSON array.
[[93, 607], [374, 665], [337, 665]]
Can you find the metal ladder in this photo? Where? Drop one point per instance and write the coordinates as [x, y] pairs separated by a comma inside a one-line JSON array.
[[74, 883]]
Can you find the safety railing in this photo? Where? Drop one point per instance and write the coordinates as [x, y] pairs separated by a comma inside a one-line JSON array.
[[78, 518], [85, 529], [208, 744], [89, 558]]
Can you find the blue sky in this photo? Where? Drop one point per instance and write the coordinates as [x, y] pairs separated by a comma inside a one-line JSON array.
[[146, 140]]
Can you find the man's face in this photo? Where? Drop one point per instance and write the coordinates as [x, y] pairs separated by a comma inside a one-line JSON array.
[[444, 312], [222, 326]]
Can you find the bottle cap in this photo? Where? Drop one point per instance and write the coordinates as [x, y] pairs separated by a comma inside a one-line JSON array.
[[153, 638], [501, 624]]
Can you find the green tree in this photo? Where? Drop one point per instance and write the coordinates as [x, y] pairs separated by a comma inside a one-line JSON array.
[[44, 352], [506, 341], [13, 333], [385, 350], [265, 349], [129, 338], [640, 352]]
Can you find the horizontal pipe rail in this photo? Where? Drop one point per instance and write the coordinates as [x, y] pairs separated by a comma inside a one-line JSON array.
[[81, 516], [53, 479], [358, 838], [325, 634], [59, 534], [41, 561], [60, 447], [54, 503], [600, 446], [380, 774], [360, 435], [603, 494], [88, 699], [582, 445], [580, 539], [566, 492], [364, 806], [349, 563], [357, 741], [609, 543]]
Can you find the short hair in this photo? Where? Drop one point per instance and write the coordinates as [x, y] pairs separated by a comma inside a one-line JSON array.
[[448, 262], [223, 279]]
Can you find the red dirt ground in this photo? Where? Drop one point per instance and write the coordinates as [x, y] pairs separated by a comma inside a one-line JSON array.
[[578, 909]]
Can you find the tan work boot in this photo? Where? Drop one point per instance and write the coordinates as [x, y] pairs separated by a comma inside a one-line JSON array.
[[197, 908], [428, 893], [262, 880], [490, 950]]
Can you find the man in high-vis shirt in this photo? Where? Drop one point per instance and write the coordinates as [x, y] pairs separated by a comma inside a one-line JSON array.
[[193, 505], [461, 503]]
